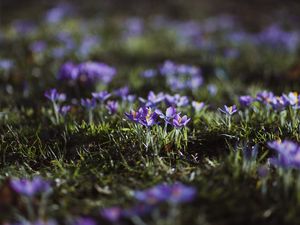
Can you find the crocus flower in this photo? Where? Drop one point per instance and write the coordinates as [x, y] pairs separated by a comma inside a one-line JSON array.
[[170, 114], [153, 99], [229, 110], [101, 96], [30, 187], [198, 106], [95, 71], [245, 100], [112, 214], [63, 110], [179, 121], [122, 92], [176, 100], [288, 154], [278, 103], [54, 96], [68, 71], [134, 115], [88, 103], [265, 97], [148, 118], [149, 73], [175, 193], [112, 107], [292, 98]]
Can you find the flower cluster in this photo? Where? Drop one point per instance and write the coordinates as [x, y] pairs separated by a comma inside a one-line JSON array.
[[150, 199], [147, 117], [178, 76], [30, 188], [288, 154], [271, 100], [175, 193], [87, 72]]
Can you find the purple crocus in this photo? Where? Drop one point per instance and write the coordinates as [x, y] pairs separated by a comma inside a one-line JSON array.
[[179, 121], [198, 106], [88, 103], [68, 71], [149, 73], [112, 214], [292, 98], [176, 100], [288, 154], [265, 97], [54, 96], [175, 193], [63, 110], [148, 118], [245, 100], [144, 116], [279, 103], [229, 110], [171, 112], [134, 116], [95, 71], [30, 188], [101, 96], [153, 99], [112, 107], [122, 92]]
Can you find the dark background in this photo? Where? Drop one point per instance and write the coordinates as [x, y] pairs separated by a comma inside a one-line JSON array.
[[253, 12]]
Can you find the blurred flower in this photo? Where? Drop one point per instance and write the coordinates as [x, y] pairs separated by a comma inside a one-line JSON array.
[[101, 96], [30, 187], [181, 76], [63, 110], [112, 107], [57, 13], [88, 103], [175, 193], [264, 97], [6, 64], [198, 106], [122, 92], [94, 71], [87, 72], [38, 46], [149, 73], [245, 100], [112, 214], [176, 100], [54, 96], [288, 154], [153, 99], [68, 71], [278, 103], [212, 89], [292, 98], [229, 110]]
